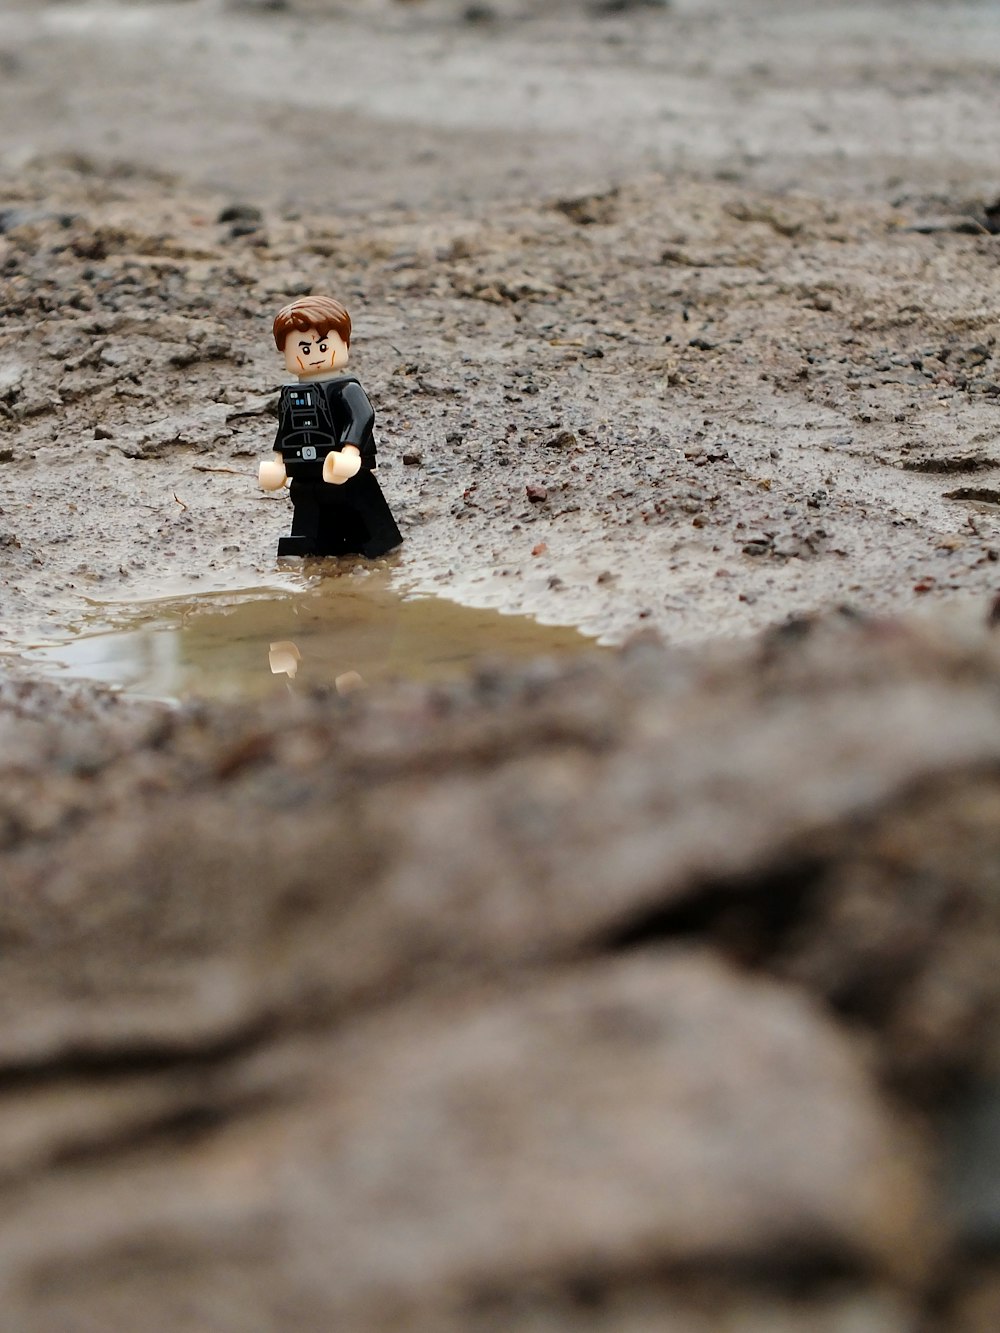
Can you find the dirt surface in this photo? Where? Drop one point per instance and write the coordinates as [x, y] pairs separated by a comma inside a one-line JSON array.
[[354, 1015], [653, 991], [731, 405]]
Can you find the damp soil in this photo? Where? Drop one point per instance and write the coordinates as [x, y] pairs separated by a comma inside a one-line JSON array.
[[698, 378], [361, 1007]]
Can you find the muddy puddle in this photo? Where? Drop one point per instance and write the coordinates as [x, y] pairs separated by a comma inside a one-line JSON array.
[[346, 633]]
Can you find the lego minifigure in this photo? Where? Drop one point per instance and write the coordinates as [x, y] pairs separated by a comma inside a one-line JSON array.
[[325, 447]]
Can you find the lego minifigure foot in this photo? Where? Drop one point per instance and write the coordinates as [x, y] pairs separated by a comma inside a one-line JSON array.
[[294, 546], [372, 550]]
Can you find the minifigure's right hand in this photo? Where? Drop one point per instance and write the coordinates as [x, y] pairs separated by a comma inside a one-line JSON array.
[[271, 475]]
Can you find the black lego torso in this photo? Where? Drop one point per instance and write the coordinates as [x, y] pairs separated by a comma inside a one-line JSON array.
[[352, 517], [317, 416]]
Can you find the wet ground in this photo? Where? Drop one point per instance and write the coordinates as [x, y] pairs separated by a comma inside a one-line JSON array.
[[344, 107], [368, 1008], [344, 631], [698, 332]]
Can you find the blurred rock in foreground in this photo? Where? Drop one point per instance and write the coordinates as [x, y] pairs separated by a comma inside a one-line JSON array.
[[641, 993]]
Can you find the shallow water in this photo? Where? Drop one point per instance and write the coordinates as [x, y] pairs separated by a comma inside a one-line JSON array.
[[347, 632]]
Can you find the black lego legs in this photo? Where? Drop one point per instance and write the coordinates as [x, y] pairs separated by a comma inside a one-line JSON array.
[[352, 519]]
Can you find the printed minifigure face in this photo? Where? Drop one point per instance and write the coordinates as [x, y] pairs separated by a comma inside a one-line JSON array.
[[307, 354]]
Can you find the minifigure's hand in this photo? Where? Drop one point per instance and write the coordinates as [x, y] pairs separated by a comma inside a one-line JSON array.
[[271, 474], [342, 466]]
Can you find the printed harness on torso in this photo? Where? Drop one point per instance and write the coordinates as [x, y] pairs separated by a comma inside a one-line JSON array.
[[307, 430]]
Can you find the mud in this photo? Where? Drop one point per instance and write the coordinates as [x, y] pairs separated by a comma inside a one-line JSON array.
[[348, 631], [738, 405], [643, 990]]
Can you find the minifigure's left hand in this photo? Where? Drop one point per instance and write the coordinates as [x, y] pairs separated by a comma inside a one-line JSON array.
[[341, 466]]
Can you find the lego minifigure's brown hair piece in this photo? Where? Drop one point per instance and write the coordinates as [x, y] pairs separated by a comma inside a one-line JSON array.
[[321, 313]]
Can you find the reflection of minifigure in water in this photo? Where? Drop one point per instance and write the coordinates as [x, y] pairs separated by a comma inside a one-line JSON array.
[[284, 659], [325, 446]]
